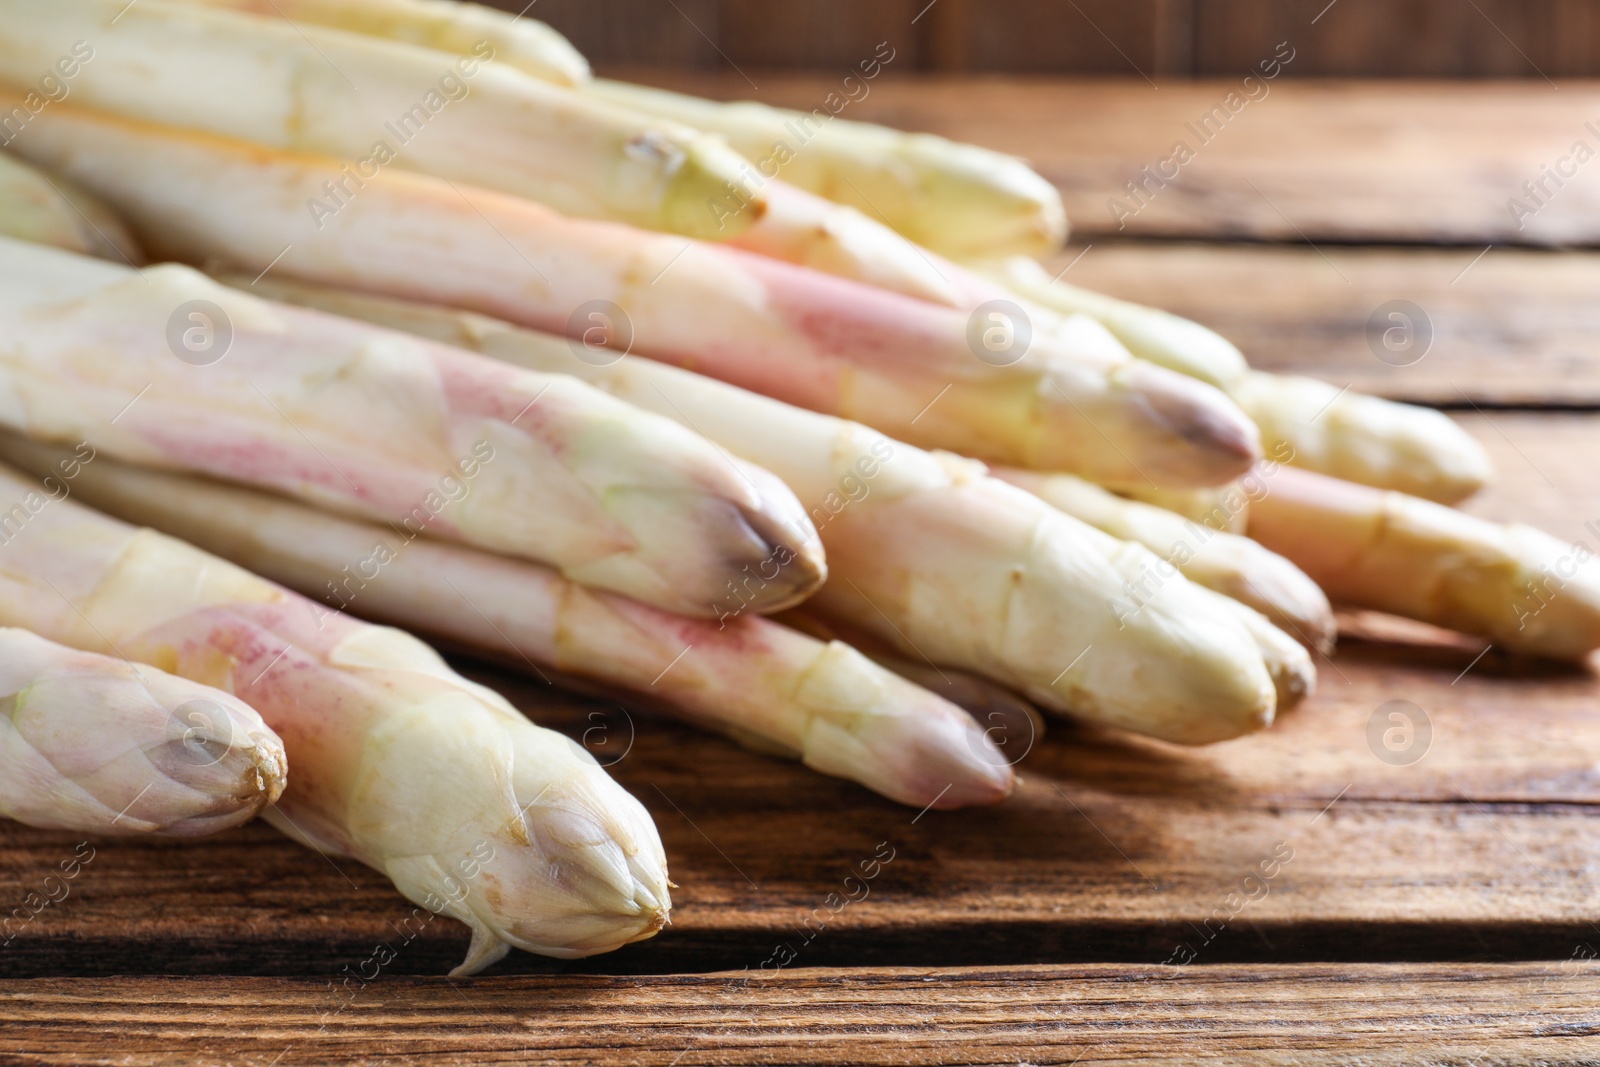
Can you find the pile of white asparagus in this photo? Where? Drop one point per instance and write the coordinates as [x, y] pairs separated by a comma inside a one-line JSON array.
[[765, 418]]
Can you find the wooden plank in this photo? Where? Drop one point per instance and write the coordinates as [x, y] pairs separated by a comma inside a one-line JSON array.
[[1350, 38], [1409, 38], [1113, 849], [1511, 327], [1353, 162], [1094, 1016]]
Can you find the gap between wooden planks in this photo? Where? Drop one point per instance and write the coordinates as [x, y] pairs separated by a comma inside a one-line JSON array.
[[1093, 1016], [1114, 848], [1489, 328]]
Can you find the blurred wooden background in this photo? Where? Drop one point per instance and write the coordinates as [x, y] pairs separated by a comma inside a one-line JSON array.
[[1357, 38]]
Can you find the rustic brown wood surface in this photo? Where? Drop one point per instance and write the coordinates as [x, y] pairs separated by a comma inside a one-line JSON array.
[[1506, 326], [1375, 162], [1293, 873], [1370, 38], [1094, 1016]]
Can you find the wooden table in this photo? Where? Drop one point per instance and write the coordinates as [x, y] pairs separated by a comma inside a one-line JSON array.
[[1438, 912]]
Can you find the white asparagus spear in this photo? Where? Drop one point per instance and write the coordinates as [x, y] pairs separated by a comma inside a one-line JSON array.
[[383, 425], [397, 761], [36, 207], [947, 565], [1234, 566], [1074, 400], [1322, 427], [1523, 589], [781, 691], [374, 103], [98, 745], [518, 41], [959, 200]]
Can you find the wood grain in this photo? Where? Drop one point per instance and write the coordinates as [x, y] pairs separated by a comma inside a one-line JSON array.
[[1375, 162], [1113, 849], [1348, 38], [1094, 1016], [1508, 327]]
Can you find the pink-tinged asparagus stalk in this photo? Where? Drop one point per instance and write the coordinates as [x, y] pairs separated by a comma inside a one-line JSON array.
[[426, 438], [1074, 400], [98, 745], [762, 683], [397, 761], [1234, 566], [373, 103], [1521, 588], [51, 211], [948, 566]]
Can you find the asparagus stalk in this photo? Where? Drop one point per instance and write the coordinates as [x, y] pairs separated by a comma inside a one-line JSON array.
[[517, 41], [946, 565], [470, 809], [1234, 566], [765, 684], [1074, 400], [1317, 426], [1521, 588], [51, 211], [427, 438], [959, 200], [375, 102], [98, 745]]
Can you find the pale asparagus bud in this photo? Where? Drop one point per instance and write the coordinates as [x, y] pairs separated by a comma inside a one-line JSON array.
[[398, 761], [1364, 439], [1303, 421], [377, 103], [98, 745], [1523, 589], [1234, 566], [517, 41], [764, 684], [945, 564], [51, 211], [959, 200], [427, 438], [1073, 400]]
